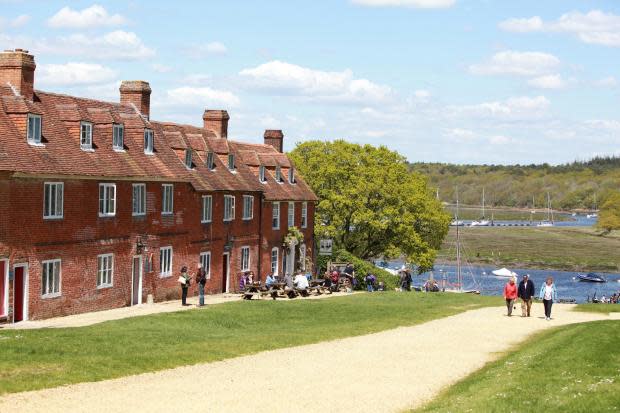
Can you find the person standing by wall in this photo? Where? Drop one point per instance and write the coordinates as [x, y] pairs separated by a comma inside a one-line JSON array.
[[510, 295], [548, 294], [525, 293], [201, 280], [184, 280]]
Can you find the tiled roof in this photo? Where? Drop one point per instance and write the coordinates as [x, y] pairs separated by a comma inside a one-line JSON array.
[[61, 154]]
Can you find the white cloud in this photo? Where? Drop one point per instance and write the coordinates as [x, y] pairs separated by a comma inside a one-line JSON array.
[[74, 73], [422, 4], [113, 45], [161, 68], [510, 62], [608, 81], [200, 96], [500, 140], [197, 79], [16, 22], [548, 82], [422, 94], [515, 108], [93, 16], [281, 78], [198, 51], [594, 27]]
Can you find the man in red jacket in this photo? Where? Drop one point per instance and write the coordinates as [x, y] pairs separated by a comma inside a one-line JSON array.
[[510, 294]]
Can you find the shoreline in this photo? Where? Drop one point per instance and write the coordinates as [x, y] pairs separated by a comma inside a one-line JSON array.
[[524, 266]]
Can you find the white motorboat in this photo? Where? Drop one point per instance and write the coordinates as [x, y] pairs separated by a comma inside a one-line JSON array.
[[592, 216], [504, 272]]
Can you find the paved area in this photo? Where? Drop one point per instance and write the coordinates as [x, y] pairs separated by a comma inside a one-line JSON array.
[[384, 372]]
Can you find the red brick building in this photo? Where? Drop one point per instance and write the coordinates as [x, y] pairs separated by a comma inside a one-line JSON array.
[[100, 206]]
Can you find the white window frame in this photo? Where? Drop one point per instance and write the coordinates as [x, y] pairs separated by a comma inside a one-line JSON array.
[[245, 258], [207, 209], [278, 174], [205, 260], [231, 162], [274, 268], [229, 208], [33, 134], [45, 279], [165, 266], [248, 207], [304, 214], [188, 158], [86, 136], [106, 199], [167, 205], [262, 177], [291, 214], [103, 273], [55, 206], [149, 141], [291, 176], [210, 160], [141, 200], [275, 215], [118, 137]]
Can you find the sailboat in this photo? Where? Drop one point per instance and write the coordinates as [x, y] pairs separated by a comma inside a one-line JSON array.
[[483, 222], [593, 214], [549, 221], [456, 222]]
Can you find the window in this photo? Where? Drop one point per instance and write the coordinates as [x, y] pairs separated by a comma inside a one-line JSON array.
[[210, 161], [248, 207], [86, 135], [275, 215], [245, 258], [53, 199], [148, 142], [291, 214], [261, 174], [107, 200], [278, 174], [304, 215], [229, 207], [118, 137], [34, 129], [188, 158], [302, 256], [274, 261], [205, 261], [291, 176], [50, 279], [105, 270], [165, 261], [166, 199], [139, 200], [207, 209], [231, 161]]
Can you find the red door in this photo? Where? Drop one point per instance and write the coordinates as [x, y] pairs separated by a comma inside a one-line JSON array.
[[2, 287], [18, 288]]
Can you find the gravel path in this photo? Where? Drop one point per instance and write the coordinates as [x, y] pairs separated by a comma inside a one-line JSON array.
[[384, 372]]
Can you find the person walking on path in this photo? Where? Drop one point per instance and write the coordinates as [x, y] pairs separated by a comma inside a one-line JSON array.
[[525, 292], [510, 294], [184, 280], [548, 294], [370, 282], [201, 280]]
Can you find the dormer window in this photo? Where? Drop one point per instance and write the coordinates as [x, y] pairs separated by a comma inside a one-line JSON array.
[[210, 161], [188, 158], [291, 176], [148, 141], [86, 136], [231, 161], [278, 174], [118, 137], [261, 173], [34, 129]]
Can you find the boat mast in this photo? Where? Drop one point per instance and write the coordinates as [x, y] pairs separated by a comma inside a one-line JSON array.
[[458, 243], [483, 213]]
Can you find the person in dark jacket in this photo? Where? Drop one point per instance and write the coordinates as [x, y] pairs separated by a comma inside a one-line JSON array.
[[525, 293], [201, 280]]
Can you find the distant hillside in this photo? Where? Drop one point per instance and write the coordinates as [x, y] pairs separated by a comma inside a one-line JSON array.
[[578, 185]]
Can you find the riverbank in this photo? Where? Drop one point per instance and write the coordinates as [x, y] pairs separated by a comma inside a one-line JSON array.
[[554, 248]]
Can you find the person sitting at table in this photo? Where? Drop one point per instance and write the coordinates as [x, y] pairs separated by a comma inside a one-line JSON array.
[[335, 277], [301, 283], [269, 280], [250, 278]]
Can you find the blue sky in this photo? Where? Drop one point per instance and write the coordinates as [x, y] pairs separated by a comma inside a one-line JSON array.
[[463, 81]]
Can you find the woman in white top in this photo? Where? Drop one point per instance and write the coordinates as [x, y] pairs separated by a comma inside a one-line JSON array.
[[548, 294]]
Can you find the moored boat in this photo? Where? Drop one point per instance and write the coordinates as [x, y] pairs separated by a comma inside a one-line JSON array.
[[591, 277]]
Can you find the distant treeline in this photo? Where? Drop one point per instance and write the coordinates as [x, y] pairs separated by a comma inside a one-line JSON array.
[[576, 185]]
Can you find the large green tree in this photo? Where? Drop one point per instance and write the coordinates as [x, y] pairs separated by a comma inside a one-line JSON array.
[[609, 215], [369, 202]]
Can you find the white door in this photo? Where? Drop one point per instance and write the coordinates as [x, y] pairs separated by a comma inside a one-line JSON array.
[[136, 280]]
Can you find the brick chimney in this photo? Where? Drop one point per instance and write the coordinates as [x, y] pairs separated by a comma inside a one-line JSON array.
[[216, 121], [17, 69], [275, 138], [138, 93]]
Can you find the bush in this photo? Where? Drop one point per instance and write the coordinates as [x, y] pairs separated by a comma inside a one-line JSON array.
[[361, 269]]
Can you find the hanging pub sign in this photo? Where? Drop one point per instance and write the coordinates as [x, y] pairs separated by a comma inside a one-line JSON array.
[[325, 247]]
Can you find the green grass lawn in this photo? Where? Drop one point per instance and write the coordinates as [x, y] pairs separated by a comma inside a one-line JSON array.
[[559, 248], [598, 308], [573, 368], [35, 359]]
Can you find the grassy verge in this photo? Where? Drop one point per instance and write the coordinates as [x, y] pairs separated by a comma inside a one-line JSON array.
[[35, 359], [568, 369], [598, 308], [572, 249]]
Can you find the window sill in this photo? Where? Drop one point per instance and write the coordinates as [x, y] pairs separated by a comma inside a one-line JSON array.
[[138, 215], [36, 144], [107, 215], [59, 218], [248, 219], [165, 275], [87, 149], [104, 286], [55, 295], [118, 150], [149, 153], [233, 171], [206, 222], [167, 214], [229, 220]]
